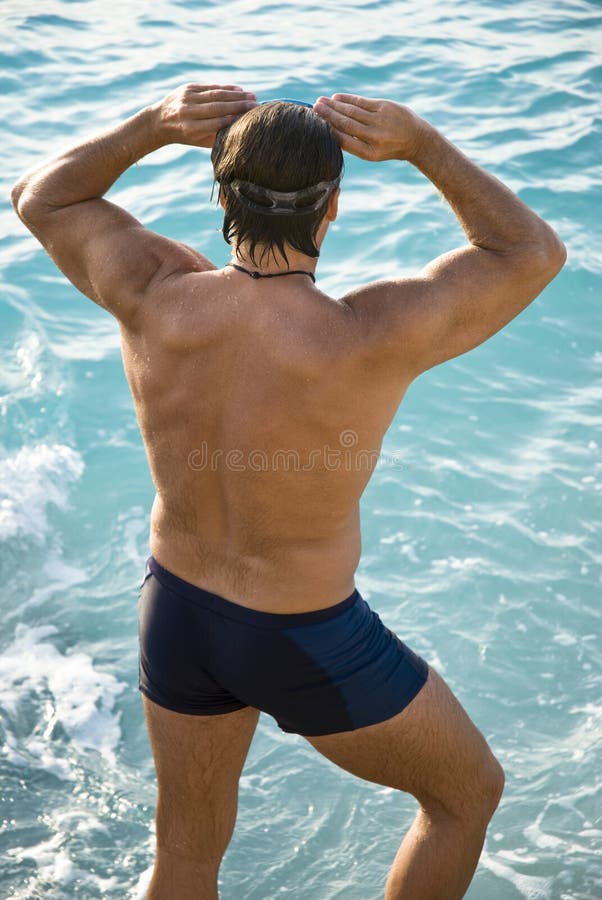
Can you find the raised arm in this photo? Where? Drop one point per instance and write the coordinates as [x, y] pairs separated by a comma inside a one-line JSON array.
[[465, 296], [102, 249]]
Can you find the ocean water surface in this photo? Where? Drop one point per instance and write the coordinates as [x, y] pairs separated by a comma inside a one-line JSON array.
[[482, 549]]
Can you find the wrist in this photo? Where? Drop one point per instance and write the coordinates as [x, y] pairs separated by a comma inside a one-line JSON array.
[[424, 133], [152, 130]]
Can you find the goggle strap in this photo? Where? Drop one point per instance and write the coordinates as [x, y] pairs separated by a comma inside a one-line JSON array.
[[283, 202]]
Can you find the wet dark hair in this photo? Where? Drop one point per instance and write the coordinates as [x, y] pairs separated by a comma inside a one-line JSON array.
[[284, 147]]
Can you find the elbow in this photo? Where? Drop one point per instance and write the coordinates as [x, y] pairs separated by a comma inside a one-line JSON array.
[[25, 203], [553, 251], [21, 199], [555, 258], [16, 194], [561, 256], [545, 255]]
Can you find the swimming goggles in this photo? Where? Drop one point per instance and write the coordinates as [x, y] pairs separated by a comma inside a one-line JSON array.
[[283, 203]]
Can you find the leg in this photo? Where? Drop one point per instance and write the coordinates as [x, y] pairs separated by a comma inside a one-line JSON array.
[[432, 750], [198, 761]]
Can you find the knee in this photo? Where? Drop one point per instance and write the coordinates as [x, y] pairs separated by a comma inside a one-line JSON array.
[[475, 796], [488, 787]]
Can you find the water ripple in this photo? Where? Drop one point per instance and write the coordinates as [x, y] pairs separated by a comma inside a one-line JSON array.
[[481, 548]]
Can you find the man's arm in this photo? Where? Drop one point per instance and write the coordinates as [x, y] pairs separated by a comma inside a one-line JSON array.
[[103, 250], [463, 297]]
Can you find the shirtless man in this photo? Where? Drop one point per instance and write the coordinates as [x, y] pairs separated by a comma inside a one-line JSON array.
[[244, 389]]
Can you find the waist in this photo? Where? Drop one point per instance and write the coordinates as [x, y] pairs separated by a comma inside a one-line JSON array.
[[284, 577], [228, 609]]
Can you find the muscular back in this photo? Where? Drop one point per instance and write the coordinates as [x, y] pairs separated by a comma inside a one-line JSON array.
[[262, 406], [244, 388]]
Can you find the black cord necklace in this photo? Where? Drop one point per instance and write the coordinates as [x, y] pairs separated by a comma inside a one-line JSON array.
[[273, 274]]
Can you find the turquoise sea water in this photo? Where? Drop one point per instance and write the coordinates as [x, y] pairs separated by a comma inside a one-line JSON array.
[[482, 550]]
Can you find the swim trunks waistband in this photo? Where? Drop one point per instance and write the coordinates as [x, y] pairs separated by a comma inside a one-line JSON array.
[[249, 616]]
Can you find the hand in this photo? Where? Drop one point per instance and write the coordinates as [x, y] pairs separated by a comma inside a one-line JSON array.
[[372, 129], [194, 113]]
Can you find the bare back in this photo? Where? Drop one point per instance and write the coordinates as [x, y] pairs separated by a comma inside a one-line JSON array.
[[263, 407], [263, 404]]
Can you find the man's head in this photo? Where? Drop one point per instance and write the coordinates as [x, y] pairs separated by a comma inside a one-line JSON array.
[[285, 148]]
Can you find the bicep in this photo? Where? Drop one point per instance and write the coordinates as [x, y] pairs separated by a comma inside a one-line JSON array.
[[458, 301], [108, 255]]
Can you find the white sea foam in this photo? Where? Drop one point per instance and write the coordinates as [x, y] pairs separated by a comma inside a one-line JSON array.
[[139, 891], [57, 873], [58, 577], [135, 524], [530, 887], [30, 480], [28, 357], [67, 691]]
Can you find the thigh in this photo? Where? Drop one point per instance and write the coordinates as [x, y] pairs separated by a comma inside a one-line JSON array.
[[198, 760], [430, 749]]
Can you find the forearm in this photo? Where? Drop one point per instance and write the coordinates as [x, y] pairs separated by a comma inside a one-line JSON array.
[[492, 216], [87, 170]]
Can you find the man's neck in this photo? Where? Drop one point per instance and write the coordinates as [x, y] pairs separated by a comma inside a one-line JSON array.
[[274, 265]]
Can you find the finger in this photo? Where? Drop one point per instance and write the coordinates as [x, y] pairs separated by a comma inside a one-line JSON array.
[[355, 100], [350, 110], [208, 111], [341, 122], [352, 144], [221, 95]]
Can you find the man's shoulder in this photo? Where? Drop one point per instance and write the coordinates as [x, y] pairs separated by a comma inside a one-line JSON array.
[[384, 309], [393, 316], [375, 297], [182, 305]]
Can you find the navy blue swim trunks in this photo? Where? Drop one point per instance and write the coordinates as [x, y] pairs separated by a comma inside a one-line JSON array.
[[319, 672]]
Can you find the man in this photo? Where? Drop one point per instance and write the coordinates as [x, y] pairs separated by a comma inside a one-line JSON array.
[[246, 380]]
